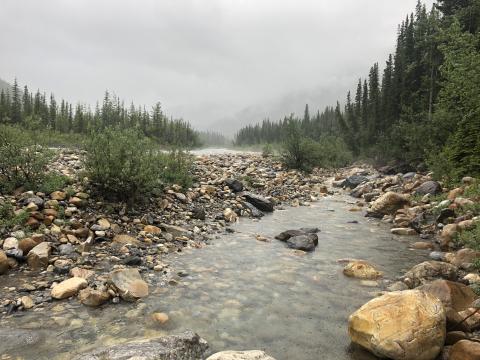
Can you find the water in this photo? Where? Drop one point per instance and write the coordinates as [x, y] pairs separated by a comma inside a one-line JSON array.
[[243, 294]]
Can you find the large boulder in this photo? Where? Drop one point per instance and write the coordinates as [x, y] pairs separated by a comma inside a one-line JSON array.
[[241, 355], [387, 204], [354, 180], [38, 257], [361, 269], [465, 350], [68, 288], [401, 325], [4, 265], [261, 203], [303, 242], [129, 284], [452, 294], [430, 270], [429, 187], [187, 346]]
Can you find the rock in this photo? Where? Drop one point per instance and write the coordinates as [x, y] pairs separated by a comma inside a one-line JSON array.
[[464, 258], [445, 214], [94, 298], [125, 239], [151, 229], [68, 288], [58, 195], [66, 249], [465, 350], [437, 256], [38, 257], [472, 278], [429, 187], [259, 202], [449, 232], [454, 337], [403, 325], [388, 204], [353, 181], [422, 245], [4, 264], [160, 318], [403, 231], [129, 284], [176, 231], [452, 294], [198, 213], [241, 355], [409, 175], [181, 197], [27, 302], [468, 180], [187, 346], [470, 319], [14, 339], [303, 242], [361, 269], [284, 236], [26, 245], [454, 193], [82, 273], [462, 202], [234, 185], [230, 215], [428, 271], [10, 243], [253, 210]]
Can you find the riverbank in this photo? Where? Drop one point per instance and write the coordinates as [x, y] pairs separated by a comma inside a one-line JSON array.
[[104, 239]]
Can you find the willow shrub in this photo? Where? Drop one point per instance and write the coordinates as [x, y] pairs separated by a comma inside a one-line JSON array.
[[126, 165]]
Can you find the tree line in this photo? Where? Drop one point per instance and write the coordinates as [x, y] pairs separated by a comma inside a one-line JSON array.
[[424, 107], [21, 107]]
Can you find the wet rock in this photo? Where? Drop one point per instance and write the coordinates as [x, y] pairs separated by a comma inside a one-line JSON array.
[[187, 346], [430, 270], [452, 294], [361, 269], [422, 245], [403, 325], [465, 350], [241, 355], [303, 242], [253, 210], [429, 187], [176, 231], [129, 284], [229, 215], [261, 203], [4, 264], [68, 288], [387, 204], [12, 339], [38, 257], [93, 298], [403, 231], [160, 318], [234, 185], [284, 236]]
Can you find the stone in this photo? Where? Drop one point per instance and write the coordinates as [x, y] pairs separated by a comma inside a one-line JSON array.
[[160, 318], [14, 339], [241, 355], [422, 245], [68, 288], [38, 257], [234, 185], [454, 337], [187, 346], [403, 231], [261, 203], [125, 239], [472, 278], [230, 215], [129, 284], [58, 195], [253, 210], [76, 201], [353, 181], [445, 214], [465, 350], [463, 258], [285, 235], [447, 235], [176, 231], [462, 202], [430, 270], [93, 298], [10, 243], [27, 302], [82, 273], [388, 204], [199, 213], [402, 325], [4, 264], [452, 294], [152, 229], [454, 193], [470, 319], [361, 269], [26, 245], [429, 187], [303, 242]]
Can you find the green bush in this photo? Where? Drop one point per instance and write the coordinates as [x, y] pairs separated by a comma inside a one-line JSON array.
[[8, 219], [470, 238], [124, 164], [23, 162], [53, 182], [302, 153], [267, 150]]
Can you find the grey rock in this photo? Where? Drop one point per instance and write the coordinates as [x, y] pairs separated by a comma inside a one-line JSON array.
[[354, 180], [303, 242], [198, 213], [409, 175], [187, 346], [429, 187], [437, 256], [234, 185], [253, 210], [259, 202]]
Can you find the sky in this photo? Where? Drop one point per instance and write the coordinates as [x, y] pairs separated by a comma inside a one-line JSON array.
[[216, 63]]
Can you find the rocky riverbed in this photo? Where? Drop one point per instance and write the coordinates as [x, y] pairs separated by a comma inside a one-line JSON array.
[[82, 252]]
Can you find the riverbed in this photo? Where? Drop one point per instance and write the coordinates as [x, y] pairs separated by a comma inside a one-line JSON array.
[[241, 293]]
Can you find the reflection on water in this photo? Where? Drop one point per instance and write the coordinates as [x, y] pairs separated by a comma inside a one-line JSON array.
[[244, 294]]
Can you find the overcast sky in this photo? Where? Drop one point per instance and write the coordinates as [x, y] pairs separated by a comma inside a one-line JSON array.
[[204, 60]]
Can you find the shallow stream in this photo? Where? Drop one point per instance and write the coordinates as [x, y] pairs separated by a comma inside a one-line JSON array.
[[241, 293]]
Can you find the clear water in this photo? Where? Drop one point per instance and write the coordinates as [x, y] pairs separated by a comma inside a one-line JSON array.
[[241, 293]]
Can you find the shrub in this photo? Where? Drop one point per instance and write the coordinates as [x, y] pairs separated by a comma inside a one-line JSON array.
[[267, 150], [22, 160], [470, 238], [124, 164], [8, 218], [52, 182]]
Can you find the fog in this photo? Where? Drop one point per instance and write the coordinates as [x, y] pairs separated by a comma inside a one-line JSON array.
[[216, 63]]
